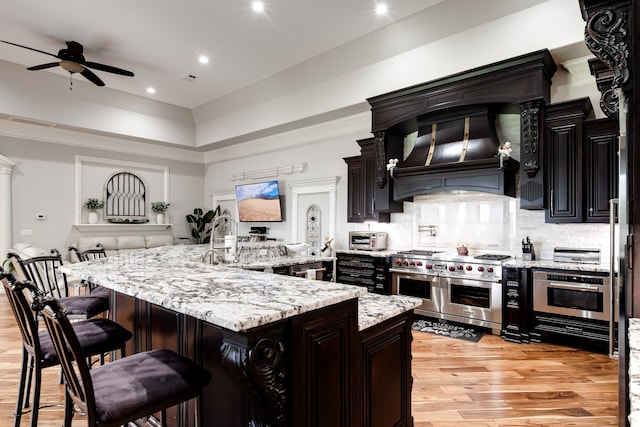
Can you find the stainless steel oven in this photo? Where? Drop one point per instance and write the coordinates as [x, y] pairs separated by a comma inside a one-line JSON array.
[[424, 286], [585, 296], [462, 289], [480, 300]]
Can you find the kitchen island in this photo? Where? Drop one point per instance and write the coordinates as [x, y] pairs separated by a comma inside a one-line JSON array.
[[282, 350]]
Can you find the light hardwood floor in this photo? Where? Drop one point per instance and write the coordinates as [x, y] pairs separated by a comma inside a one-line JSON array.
[[491, 383]]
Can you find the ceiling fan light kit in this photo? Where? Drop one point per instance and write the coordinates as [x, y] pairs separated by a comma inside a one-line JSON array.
[[72, 60]]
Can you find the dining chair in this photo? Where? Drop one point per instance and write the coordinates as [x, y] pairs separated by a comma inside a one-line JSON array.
[[44, 272], [92, 254], [89, 254], [95, 337], [126, 389]]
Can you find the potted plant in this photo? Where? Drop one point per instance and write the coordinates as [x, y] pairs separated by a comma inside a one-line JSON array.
[[93, 204], [201, 224], [159, 208]]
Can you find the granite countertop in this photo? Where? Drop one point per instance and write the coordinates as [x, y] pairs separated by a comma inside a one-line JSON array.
[[370, 253], [230, 297], [279, 262], [601, 268], [375, 308]]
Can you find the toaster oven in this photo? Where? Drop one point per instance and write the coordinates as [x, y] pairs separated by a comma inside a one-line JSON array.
[[368, 240]]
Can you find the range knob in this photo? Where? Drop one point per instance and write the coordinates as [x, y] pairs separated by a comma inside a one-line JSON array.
[[428, 266], [460, 267], [489, 269], [452, 268], [398, 262], [412, 263], [481, 268], [469, 268], [405, 262], [419, 263]]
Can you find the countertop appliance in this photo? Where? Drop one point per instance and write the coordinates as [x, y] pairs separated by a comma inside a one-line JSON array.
[[463, 289], [576, 255], [368, 240]]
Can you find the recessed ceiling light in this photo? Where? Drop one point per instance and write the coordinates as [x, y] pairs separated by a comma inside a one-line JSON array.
[[151, 90], [203, 59], [257, 6], [381, 9]]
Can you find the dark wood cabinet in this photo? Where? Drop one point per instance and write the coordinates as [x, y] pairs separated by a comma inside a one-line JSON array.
[[601, 167], [370, 271], [313, 369], [563, 154], [387, 398], [366, 200], [581, 163], [517, 304]]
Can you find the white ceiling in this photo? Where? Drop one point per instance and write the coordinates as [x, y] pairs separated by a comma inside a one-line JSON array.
[[161, 41]]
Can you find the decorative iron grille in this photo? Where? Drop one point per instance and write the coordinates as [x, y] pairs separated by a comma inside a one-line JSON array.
[[125, 195]]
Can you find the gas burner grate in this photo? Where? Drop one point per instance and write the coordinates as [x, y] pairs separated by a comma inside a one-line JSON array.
[[492, 257], [419, 252]]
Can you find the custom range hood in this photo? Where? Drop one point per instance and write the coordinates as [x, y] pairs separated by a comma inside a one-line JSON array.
[[459, 152], [456, 147]]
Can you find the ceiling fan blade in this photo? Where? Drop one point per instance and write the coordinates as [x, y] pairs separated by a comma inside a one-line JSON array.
[[90, 75], [107, 68], [43, 66], [30, 48]]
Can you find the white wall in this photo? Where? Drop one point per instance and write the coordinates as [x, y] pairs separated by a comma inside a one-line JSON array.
[[43, 182]]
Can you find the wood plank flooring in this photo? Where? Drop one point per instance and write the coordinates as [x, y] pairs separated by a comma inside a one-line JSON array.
[[494, 383], [491, 383]]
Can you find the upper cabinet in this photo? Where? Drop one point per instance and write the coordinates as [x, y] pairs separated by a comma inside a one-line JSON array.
[[601, 165], [580, 158], [366, 200]]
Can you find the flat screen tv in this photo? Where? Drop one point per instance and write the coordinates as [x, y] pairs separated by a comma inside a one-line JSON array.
[[259, 202]]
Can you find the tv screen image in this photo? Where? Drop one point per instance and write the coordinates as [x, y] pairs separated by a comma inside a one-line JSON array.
[[259, 202]]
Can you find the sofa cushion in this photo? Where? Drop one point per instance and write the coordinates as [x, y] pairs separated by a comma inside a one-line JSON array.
[[162, 240], [131, 242], [26, 250], [109, 243]]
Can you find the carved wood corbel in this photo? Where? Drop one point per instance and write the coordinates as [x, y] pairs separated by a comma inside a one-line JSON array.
[[258, 370], [530, 123], [608, 37], [381, 158]]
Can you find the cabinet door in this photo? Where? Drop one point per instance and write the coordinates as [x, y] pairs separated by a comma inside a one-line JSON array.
[[368, 186], [601, 167], [563, 160], [355, 211], [565, 171]]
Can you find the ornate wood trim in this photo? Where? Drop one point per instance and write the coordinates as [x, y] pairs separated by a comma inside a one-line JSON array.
[[258, 369], [381, 158], [608, 35], [530, 113]]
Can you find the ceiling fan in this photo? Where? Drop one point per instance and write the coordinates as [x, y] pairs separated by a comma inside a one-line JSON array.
[[72, 60]]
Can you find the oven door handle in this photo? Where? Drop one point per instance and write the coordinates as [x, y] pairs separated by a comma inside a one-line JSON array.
[[586, 288]]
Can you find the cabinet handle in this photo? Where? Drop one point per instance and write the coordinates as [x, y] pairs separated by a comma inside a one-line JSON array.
[[373, 205], [551, 207]]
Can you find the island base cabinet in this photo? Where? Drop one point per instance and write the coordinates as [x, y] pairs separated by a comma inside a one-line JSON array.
[[314, 369], [386, 373]]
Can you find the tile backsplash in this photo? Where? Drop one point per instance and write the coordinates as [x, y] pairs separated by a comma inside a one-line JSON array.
[[486, 223]]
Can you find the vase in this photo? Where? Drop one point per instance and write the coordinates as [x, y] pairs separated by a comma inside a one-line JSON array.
[[93, 217], [159, 218]]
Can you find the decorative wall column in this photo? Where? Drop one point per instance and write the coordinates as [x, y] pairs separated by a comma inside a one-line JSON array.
[[6, 236]]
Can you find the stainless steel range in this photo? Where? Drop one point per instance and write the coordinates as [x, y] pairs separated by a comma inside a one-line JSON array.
[[463, 289]]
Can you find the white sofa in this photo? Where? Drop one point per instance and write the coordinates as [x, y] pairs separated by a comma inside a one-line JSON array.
[[119, 244]]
